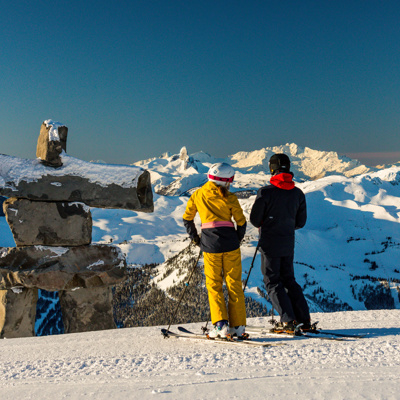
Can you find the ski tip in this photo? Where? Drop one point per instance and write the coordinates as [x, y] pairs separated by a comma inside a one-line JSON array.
[[165, 333]]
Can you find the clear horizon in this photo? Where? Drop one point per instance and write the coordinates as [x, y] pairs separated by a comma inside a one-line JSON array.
[[135, 79]]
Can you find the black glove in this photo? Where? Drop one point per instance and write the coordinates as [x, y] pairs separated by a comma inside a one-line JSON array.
[[196, 240]]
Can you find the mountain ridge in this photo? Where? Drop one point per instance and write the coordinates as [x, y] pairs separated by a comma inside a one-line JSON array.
[[174, 174]]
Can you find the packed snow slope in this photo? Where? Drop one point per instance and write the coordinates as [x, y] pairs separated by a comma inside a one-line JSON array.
[[137, 363]]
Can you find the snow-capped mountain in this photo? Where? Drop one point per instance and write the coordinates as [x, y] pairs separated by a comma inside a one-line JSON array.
[[176, 174], [347, 256], [386, 166]]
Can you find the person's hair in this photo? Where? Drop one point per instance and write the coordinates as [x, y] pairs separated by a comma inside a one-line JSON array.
[[223, 191]]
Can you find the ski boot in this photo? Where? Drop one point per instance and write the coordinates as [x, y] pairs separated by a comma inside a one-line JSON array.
[[220, 330], [308, 327], [290, 328], [239, 332]]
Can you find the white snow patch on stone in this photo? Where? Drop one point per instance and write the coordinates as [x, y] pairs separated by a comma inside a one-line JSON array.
[[79, 204], [53, 132], [15, 170], [57, 251], [97, 263]]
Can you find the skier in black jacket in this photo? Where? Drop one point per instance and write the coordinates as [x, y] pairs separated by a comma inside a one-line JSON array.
[[280, 209]]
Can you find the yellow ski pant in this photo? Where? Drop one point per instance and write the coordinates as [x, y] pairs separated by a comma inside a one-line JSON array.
[[229, 266]]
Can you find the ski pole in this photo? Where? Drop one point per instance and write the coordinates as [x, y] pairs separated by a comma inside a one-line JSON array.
[[272, 320], [251, 267], [182, 294]]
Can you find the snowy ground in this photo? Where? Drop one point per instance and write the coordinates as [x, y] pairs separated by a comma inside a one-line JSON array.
[[137, 363]]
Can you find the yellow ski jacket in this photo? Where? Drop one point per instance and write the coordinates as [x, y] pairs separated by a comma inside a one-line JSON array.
[[216, 212]]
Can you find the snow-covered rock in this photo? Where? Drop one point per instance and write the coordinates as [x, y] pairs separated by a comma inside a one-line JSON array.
[[97, 185]]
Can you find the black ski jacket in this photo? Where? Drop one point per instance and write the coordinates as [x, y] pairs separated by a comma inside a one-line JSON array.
[[278, 212]]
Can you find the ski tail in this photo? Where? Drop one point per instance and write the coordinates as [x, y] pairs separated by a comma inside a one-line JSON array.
[[166, 333], [315, 330]]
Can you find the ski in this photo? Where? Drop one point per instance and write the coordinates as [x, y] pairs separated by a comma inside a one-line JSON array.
[[235, 339], [297, 335], [343, 335], [193, 336], [314, 334], [339, 335], [318, 332]]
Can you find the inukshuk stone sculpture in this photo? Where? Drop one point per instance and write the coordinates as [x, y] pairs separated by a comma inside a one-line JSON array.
[[48, 211]]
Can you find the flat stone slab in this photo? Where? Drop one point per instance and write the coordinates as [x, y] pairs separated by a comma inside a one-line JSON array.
[[61, 268], [96, 185], [87, 310], [48, 223], [17, 313]]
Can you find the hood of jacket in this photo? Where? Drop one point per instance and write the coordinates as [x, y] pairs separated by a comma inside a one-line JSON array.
[[283, 180]]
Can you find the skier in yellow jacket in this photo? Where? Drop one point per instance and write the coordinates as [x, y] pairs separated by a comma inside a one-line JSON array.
[[220, 243]]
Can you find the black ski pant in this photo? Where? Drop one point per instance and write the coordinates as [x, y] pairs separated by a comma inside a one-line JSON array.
[[284, 292]]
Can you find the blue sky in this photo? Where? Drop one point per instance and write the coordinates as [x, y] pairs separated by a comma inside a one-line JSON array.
[[133, 79]]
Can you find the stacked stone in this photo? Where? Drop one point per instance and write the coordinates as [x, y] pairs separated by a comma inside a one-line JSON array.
[[51, 223]]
